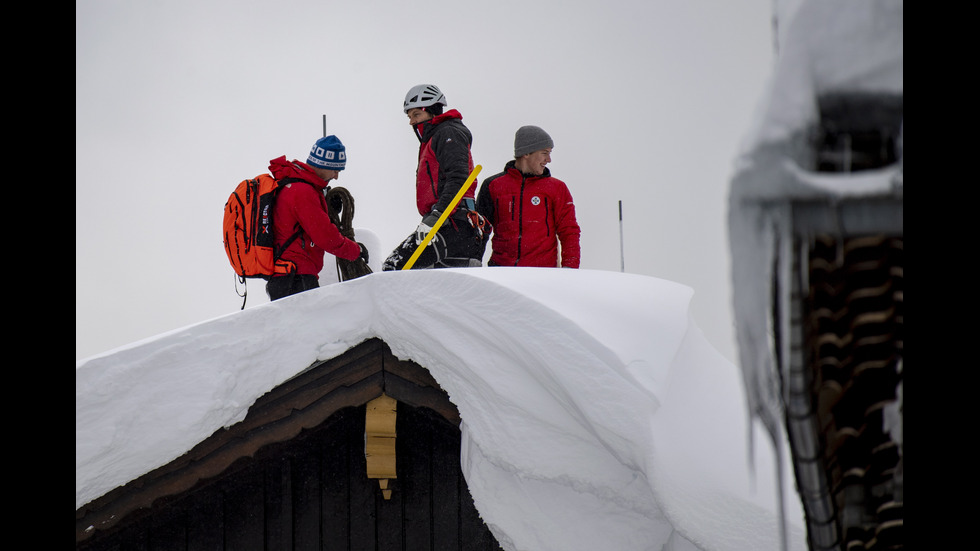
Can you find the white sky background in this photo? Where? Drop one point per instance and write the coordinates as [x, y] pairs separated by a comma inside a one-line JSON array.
[[177, 102]]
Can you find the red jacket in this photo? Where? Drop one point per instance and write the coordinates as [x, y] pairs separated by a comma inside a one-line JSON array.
[[531, 215], [301, 205], [445, 161]]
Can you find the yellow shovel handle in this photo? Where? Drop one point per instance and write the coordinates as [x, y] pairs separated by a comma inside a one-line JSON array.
[[445, 214]]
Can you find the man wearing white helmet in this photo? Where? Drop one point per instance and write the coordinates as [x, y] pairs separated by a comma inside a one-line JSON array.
[[445, 162]]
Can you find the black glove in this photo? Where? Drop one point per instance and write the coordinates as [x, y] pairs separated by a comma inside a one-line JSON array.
[[337, 202], [364, 253]]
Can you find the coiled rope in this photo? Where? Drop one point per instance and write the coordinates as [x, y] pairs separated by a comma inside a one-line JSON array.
[[346, 269]]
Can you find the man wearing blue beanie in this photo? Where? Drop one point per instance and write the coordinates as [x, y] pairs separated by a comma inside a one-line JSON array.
[[301, 223]]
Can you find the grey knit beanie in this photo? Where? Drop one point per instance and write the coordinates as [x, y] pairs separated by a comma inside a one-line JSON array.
[[530, 139]]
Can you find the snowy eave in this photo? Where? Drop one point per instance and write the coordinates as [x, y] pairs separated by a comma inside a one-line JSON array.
[[869, 201]]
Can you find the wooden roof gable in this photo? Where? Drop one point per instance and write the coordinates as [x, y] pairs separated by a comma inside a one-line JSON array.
[[361, 374]]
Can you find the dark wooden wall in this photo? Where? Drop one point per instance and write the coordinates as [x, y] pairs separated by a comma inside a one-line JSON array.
[[855, 344], [312, 493]]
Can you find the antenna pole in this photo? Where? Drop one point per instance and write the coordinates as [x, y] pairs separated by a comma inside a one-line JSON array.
[[324, 125], [622, 259]]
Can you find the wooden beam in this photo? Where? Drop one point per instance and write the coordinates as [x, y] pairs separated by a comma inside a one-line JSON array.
[[379, 441]]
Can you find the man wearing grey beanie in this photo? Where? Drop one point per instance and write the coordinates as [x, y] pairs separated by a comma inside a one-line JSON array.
[[531, 212]]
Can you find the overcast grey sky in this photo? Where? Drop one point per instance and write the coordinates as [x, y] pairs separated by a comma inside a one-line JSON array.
[[178, 101]]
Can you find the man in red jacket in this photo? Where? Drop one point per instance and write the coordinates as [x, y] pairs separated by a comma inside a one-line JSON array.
[[300, 219], [531, 212], [445, 162]]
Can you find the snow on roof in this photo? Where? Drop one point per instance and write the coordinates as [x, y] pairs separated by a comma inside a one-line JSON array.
[[828, 46], [594, 412]]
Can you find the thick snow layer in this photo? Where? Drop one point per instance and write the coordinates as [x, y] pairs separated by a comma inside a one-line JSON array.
[[829, 46], [595, 415]]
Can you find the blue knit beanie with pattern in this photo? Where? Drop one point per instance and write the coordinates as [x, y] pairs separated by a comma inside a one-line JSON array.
[[328, 153]]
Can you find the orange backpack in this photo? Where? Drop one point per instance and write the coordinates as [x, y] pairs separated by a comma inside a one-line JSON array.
[[247, 230]]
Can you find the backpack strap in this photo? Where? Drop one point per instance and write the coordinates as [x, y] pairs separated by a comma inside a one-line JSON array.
[[278, 253], [286, 244]]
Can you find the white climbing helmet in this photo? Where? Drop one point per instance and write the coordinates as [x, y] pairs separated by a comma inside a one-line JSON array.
[[424, 95]]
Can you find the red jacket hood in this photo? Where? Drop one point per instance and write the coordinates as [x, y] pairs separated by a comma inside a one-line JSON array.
[[424, 129], [281, 168], [451, 114]]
